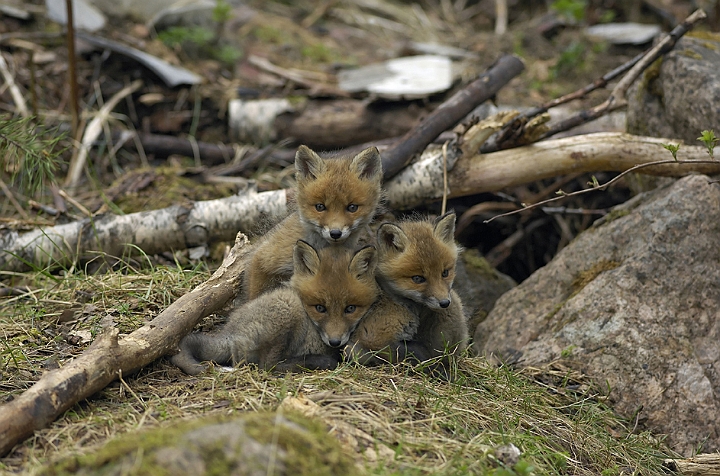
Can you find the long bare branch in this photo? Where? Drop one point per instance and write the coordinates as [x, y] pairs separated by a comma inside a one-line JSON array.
[[108, 357]]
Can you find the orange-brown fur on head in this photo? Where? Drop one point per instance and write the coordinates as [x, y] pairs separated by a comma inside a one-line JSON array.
[[336, 286], [417, 260], [337, 196]]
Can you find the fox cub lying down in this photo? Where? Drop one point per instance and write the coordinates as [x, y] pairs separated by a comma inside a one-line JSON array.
[[336, 200], [299, 325], [419, 316]]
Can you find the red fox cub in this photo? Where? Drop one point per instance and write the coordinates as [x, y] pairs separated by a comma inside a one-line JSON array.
[[418, 312], [301, 324], [336, 201]]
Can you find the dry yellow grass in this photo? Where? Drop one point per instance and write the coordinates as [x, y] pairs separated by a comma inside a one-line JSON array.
[[391, 420]]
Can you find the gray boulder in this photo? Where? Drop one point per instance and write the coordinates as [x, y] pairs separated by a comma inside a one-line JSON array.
[[679, 96], [479, 285], [634, 302]]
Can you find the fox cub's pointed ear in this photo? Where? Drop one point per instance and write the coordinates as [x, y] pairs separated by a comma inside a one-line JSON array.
[[391, 239], [308, 164], [363, 262], [368, 164], [305, 258], [445, 227]]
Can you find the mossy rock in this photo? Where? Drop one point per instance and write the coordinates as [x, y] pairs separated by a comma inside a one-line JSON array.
[[251, 444]]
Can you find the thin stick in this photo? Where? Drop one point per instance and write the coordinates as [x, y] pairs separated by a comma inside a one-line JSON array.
[[443, 208], [603, 186], [8, 193], [17, 96], [75, 203], [72, 69], [501, 17], [517, 126]]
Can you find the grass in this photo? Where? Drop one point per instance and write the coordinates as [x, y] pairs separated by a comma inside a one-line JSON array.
[[391, 420]]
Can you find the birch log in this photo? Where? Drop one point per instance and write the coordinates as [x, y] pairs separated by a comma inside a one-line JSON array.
[[421, 182], [155, 231], [109, 357], [179, 227]]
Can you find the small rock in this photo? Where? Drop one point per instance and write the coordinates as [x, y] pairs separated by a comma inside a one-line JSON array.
[[408, 77], [623, 33]]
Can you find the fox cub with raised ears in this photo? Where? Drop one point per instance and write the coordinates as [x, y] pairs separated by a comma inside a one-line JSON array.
[[302, 324], [419, 314], [337, 199]]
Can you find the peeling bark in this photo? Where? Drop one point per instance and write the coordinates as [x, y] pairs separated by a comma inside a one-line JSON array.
[[421, 182], [178, 227], [109, 357], [155, 231]]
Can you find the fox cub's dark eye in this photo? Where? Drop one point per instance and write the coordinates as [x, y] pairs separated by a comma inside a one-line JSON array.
[[350, 309], [445, 273], [320, 308], [417, 279], [320, 207], [352, 208]]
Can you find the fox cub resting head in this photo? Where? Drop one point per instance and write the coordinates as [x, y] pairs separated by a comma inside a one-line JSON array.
[[337, 196], [418, 260], [419, 316], [301, 324]]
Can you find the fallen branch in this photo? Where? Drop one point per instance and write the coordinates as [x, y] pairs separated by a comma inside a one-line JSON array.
[[699, 465], [449, 113], [516, 134], [108, 357], [422, 182]]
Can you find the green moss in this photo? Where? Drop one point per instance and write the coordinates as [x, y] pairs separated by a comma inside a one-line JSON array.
[[163, 187], [309, 449], [318, 53], [304, 448], [704, 35], [613, 215], [581, 280], [691, 54], [589, 275], [473, 259], [269, 34]]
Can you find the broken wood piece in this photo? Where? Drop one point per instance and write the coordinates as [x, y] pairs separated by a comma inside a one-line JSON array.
[[93, 131], [699, 465], [109, 357], [317, 83], [449, 113], [172, 75], [322, 124], [163, 146]]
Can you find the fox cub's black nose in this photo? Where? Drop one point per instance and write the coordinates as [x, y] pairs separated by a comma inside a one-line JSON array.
[[335, 234], [334, 342], [444, 303]]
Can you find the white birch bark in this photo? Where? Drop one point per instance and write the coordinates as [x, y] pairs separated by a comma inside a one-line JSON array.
[[178, 227]]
